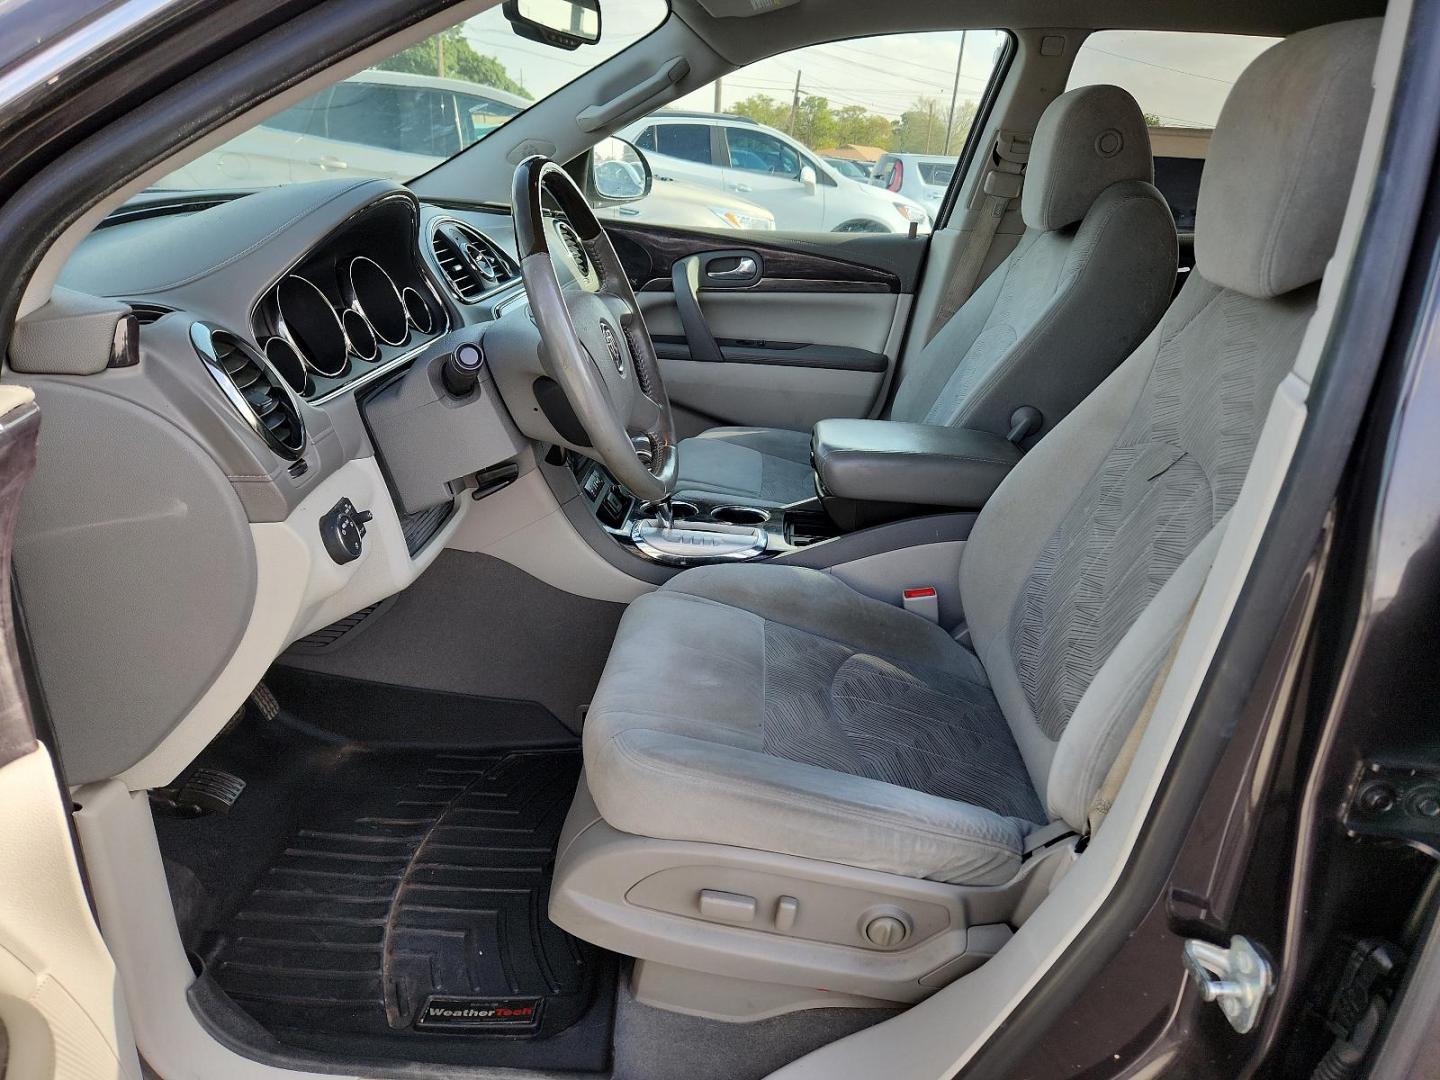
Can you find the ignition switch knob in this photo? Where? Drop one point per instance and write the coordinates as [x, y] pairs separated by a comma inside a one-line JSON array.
[[462, 370]]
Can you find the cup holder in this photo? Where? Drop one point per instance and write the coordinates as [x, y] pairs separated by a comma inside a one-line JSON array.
[[681, 510], [740, 515]]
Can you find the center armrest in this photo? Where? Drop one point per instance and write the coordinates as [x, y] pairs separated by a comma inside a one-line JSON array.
[[920, 465]]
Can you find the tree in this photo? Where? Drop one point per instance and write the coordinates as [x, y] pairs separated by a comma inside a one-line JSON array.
[[920, 129], [763, 109], [815, 123], [449, 55], [858, 126], [960, 128]]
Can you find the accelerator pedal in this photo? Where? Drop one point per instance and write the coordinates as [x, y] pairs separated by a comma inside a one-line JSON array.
[[200, 792]]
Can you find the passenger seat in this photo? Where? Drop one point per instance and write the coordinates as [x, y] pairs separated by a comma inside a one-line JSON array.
[[1086, 283]]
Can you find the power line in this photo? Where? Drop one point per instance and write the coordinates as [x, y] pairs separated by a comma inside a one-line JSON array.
[[1162, 67], [947, 72]]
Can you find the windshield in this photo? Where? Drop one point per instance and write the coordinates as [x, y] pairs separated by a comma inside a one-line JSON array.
[[409, 113]]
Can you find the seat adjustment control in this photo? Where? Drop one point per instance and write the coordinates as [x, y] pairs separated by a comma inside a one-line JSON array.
[[727, 906], [786, 909], [885, 927], [342, 531]]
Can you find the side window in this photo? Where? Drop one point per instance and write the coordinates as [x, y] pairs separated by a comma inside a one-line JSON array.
[[1181, 81], [689, 142], [838, 108], [303, 119], [429, 123], [362, 113], [481, 115], [755, 151]]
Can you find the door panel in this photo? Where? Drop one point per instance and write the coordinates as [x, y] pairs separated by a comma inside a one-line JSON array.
[[60, 1002], [812, 330], [803, 334], [783, 393]]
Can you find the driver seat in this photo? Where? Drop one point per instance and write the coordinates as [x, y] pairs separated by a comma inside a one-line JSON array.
[[771, 720]]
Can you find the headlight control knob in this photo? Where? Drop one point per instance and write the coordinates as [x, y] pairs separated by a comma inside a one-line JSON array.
[[462, 369], [342, 531]]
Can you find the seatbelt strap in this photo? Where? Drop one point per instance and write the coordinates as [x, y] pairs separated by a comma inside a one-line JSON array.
[[1105, 797], [1003, 184]]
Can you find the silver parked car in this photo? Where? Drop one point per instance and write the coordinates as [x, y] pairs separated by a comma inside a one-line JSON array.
[[397, 126], [921, 177], [805, 193]]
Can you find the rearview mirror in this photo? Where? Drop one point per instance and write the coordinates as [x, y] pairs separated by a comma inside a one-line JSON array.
[[808, 178], [618, 171], [564, 24]]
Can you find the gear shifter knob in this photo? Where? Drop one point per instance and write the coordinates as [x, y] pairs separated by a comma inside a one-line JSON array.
[[462, 369]]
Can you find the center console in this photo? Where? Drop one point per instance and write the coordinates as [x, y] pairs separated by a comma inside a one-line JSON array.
[[696, 529], [867, 473]]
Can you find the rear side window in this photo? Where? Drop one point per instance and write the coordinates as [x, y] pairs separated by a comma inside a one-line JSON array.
[[755, 151], [690, 142], [1181, 81], [937, 173]]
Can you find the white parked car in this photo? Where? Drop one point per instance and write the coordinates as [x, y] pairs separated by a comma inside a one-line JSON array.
[[920, 177], [398, 126], [770, 168]]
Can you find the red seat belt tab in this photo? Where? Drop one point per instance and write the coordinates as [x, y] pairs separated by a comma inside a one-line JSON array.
[[923, 600]]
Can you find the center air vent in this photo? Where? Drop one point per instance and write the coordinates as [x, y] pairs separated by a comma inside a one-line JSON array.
[[571, 239], [471, 263], [257, 393]]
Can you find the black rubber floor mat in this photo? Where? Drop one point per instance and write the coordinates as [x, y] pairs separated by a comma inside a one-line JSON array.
[[406, 918]]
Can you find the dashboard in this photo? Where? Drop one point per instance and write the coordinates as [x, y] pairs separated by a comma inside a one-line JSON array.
[[284, 440]]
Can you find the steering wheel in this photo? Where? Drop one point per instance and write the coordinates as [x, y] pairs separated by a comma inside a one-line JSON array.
[[594, 341]]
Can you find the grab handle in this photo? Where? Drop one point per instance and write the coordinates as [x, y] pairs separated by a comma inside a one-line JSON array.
[[595, 117]]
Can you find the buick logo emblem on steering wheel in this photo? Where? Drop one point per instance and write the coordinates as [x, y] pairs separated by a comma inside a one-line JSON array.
[[612, 345]]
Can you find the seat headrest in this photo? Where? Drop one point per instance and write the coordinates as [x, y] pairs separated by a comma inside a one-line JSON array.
[[1087, 139], [1282, 159]]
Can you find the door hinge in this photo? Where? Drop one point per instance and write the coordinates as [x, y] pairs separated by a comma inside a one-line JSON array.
[[1238, 979]]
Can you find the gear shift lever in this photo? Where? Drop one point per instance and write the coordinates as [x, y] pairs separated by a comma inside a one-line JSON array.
[[665, 512]]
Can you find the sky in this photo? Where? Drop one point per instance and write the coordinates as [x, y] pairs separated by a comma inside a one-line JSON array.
[[1182, 78]]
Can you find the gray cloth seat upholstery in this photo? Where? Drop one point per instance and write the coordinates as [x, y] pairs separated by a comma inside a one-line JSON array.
[[775, 708], [1086, 282]]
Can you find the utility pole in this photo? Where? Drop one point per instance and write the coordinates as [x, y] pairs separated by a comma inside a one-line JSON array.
[[440, 55], [954, 93], [717, 96], [794, 106]]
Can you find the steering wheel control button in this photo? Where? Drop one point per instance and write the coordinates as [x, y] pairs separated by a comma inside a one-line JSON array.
[[461, 373], [727, 906], [342, 531]]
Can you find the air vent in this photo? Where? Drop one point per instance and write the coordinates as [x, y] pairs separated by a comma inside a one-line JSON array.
[[257, 392], [145, 314], [472, 265], [571, 239]]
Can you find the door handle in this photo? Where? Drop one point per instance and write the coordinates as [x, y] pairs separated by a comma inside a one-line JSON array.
[[330, 162], [745, 268], [738, 187]]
